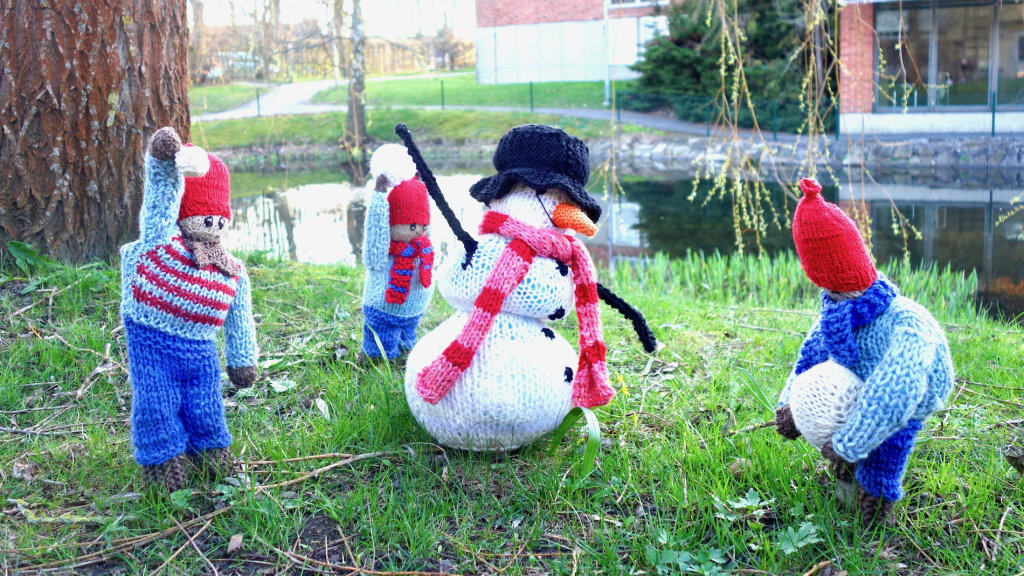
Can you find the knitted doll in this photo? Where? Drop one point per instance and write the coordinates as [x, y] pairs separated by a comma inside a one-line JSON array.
[[397, 254], [179, 288], [494, 376], [874, 365]]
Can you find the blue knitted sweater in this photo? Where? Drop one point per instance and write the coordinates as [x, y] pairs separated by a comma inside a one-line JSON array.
[[904, 360], [378, 262], [162, 288]]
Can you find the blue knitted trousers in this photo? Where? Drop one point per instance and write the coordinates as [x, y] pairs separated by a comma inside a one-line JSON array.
[[396, 333], [881, 473], [176, 402]]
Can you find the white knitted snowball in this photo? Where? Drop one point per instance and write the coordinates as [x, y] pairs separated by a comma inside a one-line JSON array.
[[192, 161], [393, 161], [821, 400]]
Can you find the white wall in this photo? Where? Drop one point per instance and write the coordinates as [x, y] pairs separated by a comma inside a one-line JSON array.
[[931, 123], [561, 51]]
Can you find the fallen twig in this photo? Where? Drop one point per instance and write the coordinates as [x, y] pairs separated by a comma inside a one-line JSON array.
[[814, 569], [299, 558], [768, 424], [318, 471], [299, 459], [40, 433], [193, 543], [183, 546], [1004, 423], [764, 329]]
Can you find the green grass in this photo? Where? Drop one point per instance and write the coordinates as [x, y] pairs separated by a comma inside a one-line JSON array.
[[449, 126], [663, 478], [245, 184], [463, 90], [209, 99]]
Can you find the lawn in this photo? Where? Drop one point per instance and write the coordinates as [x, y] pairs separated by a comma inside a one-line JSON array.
[[450, 126], [685, 484], [209, 99], [463, 90]]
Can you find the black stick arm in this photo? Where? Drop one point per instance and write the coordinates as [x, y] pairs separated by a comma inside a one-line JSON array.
[[435, 192], [643, 332]]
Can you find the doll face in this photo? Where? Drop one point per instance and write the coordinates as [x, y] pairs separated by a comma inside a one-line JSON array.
[[406, 232], [203, 228]]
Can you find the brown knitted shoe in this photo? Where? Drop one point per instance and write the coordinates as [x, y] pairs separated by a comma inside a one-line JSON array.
[[169, 476], [873, 509], [213, 464]]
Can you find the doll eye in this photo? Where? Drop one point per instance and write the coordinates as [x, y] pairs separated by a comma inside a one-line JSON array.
[[208, 221], [222, 221], [412, 227]]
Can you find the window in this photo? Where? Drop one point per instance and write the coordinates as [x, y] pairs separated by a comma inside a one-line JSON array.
[[903, 37], [1011, 53], [963, 55], [941, 54]]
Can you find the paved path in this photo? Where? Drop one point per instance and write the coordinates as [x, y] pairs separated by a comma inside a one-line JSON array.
[[288, 99]]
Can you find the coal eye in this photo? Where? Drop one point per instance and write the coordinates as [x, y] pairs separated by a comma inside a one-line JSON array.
[[208, 221]]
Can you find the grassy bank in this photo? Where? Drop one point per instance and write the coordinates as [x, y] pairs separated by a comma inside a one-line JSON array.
[[664, 499], [451, 126], [463, 90], [209, 99]]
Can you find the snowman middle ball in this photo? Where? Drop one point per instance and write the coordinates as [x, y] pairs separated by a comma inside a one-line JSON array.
[[822, 399]]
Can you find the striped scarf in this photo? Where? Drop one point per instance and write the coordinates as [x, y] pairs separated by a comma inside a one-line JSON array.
[[590, 387], [405, 254]]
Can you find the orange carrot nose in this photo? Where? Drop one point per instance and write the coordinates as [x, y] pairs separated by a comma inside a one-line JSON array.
[[569, 216]]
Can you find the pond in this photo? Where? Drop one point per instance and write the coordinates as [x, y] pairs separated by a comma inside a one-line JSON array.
[[967, 225]]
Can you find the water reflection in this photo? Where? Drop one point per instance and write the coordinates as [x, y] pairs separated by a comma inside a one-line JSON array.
[[963, 229]]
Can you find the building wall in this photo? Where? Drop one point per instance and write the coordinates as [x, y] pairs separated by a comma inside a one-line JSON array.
[[558, 40], [492, 13], [856, 54], [930, 123]]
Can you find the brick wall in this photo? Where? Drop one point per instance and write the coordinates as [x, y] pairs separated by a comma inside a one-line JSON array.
[[856, 53], [511, 12]]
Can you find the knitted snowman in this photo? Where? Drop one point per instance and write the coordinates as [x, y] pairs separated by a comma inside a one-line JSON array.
[[874, 365], [494, 376], [397, 254], [179, 288]]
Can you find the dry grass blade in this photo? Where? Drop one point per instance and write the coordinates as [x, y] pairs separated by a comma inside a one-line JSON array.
[[319, 471], [300, 559], [182, 548]]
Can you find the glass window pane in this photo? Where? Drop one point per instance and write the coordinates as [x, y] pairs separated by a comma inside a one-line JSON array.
[[963, 55], [902, 56], [1011, 52]]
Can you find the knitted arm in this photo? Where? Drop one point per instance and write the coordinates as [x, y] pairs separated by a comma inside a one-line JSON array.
[[890, 396], [162, 192], [377, 240], [808, 357], [240, 329]]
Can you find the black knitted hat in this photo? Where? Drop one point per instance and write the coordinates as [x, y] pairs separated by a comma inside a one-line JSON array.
[[541, 157]]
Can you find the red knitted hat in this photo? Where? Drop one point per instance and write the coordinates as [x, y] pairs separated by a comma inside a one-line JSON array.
[[208, 195], [829, 244], [409, 203]]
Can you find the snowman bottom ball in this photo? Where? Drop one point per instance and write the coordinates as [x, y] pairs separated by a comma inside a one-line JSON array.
[[518, 387], [821, 400]]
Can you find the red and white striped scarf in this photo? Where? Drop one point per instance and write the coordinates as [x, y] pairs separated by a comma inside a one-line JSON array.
[[590, 387]]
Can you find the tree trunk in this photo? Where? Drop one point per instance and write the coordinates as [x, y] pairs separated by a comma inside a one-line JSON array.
[[356, 108], [83, 85], [196, 62]]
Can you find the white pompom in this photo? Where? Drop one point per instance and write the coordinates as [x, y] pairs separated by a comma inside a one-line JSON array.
[[192, 161], [393, 161], [821, 400]]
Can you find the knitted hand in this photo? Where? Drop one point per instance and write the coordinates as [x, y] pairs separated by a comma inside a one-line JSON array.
[[784, 423], [164, 144], [242, 376], [830, 454]]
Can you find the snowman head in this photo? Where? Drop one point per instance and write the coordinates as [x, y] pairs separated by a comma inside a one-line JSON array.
[[551, 209]]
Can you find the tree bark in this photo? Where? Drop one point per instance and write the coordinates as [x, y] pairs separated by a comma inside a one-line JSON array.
[[83, 85], [356, 105]]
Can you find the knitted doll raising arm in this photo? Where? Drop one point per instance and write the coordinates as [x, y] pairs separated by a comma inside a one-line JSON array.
[[890, 396]]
